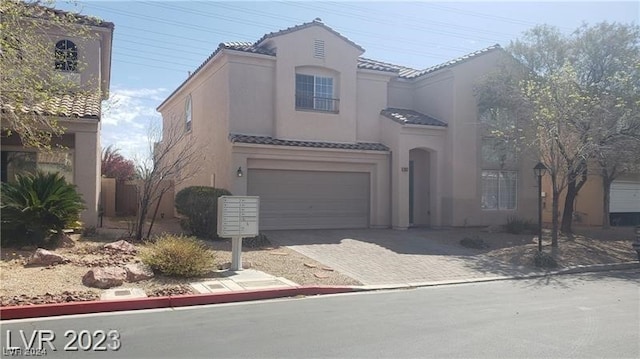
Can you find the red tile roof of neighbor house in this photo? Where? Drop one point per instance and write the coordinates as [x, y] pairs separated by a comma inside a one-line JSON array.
[[411, 117], [267, 140], [363, 63], [39, 11], [67, 105]]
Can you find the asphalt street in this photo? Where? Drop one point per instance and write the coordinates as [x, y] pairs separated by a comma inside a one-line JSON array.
[[594, 315]]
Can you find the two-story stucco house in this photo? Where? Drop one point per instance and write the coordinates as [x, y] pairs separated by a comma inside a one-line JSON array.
[[330, 139], [84, 59]]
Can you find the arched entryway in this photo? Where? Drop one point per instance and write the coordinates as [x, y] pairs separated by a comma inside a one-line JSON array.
[[420, 185]]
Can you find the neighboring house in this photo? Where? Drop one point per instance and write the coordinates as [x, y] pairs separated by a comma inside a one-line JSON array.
[[79, 113], [624, 201], [330, 139]]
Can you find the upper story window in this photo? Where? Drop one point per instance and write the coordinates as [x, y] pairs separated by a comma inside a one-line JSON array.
[[66, 56], [188, 113], [497, 152], [315, 93]]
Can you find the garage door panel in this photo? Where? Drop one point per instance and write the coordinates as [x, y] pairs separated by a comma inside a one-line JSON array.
[[625, 197], [308, 199]]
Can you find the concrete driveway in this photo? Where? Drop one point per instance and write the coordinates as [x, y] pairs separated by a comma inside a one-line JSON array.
[[386, 256]]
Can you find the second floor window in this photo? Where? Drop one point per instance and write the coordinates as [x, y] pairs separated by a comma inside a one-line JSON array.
[[315, 93], [66, 56], [188, 113]]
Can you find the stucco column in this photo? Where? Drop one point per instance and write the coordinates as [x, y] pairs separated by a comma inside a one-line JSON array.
[[87, 174], [400, 189]]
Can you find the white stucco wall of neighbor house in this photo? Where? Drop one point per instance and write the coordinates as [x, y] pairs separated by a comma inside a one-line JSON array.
[[295, 54]]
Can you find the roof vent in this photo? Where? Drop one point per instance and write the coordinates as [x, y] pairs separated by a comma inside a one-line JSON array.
[[318, 49], [317, 19]]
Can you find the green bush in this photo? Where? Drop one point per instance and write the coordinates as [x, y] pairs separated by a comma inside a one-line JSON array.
[[37, 207], [517, 225], [178, 256], [199, 206]]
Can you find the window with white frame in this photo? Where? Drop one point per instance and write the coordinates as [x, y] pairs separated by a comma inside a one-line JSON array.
[[315, 93], [499, 189], [188, 113], [66, 56]]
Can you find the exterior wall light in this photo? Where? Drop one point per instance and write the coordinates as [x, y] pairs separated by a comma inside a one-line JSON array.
[[239, 172]]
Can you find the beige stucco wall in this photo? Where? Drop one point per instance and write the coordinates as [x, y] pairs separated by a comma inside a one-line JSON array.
[[371, 99], [466, 143], [210, 125], [400, 94], [94, 54], [295, 53], [252, 89], [108, 196]]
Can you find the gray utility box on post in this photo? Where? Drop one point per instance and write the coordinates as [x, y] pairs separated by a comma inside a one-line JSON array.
[[237, 219]]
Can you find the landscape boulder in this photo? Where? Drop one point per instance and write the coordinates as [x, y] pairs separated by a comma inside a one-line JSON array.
[[137, 272], [43, 257], [121, 246], [104, 278]]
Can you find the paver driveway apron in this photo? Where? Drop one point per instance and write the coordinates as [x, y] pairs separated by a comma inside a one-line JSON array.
[[386, 256]]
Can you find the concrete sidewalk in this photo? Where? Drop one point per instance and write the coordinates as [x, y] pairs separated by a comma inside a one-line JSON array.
[[233, 281]]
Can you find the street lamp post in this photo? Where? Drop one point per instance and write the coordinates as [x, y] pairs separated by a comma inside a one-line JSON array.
[[540, 169]]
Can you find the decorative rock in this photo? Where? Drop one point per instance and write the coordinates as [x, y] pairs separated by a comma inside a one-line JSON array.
[[121, 246], [137, 272], [43, 257], [104, 277], [227, 265], [66, 241]]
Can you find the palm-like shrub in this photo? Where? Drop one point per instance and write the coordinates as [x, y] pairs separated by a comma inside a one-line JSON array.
[[37, 206]]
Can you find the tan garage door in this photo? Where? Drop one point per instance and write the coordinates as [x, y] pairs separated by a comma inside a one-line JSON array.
[[310, 199]]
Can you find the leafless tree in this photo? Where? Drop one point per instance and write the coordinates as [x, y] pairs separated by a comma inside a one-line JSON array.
[[171, 156]]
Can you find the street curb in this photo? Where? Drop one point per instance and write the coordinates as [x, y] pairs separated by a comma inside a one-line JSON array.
[[569, 270], [58, 309]]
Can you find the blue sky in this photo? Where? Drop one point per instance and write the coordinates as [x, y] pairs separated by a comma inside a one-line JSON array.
[[156, 43]]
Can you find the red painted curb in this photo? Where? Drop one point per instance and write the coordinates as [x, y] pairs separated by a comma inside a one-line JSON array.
[[57, 309]]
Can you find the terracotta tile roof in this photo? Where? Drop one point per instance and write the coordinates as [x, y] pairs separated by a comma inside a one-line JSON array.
[[69, 105], [267, 140], [363, 63], [247, 47], [370, 64], [411, 117], [409, 73], [315, 22], [456, 61], [44, 12]]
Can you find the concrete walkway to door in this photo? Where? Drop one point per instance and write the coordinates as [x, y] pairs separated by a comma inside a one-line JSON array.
[[386, 256]]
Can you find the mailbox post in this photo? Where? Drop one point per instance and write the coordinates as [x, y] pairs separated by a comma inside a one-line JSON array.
[[237, 219]]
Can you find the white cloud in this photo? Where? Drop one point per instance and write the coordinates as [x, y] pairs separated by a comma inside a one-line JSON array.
[[127, 116]]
